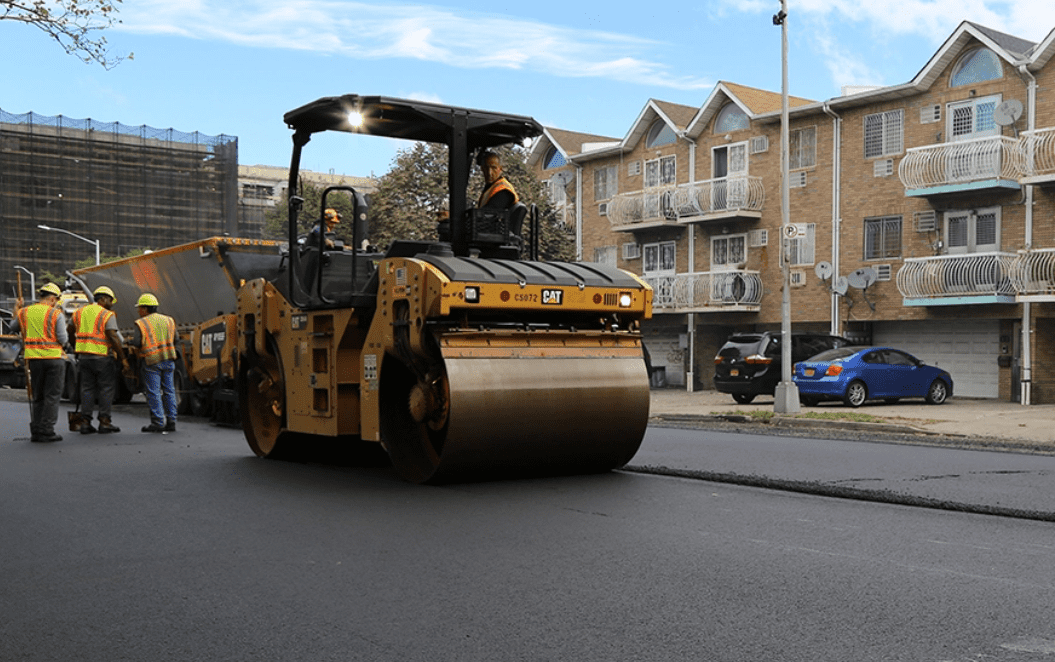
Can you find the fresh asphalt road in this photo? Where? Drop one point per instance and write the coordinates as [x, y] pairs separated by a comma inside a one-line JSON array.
[[184, 547]]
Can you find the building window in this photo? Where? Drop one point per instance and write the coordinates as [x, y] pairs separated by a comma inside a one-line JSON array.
[[731, 118], [659, 258], [972, 231], [801, 249], [882, 237], [554, 159], [884, 133], [605, 255], [660, 172], [728, 252], [972, 118], [558, 194], [976, 66], [802, 148], [660, 134], [605, 182]]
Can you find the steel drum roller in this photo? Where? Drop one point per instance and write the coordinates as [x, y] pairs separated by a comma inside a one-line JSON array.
[[526, 412]]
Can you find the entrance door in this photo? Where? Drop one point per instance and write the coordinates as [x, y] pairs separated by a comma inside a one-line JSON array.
[[729, 172]]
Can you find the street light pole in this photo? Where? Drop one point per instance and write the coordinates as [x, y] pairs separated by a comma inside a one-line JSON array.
[[74, 234], [32, 280], [786, 398]]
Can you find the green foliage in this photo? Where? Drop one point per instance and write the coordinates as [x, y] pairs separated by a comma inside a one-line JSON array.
[[414, 191], [71, 23], [276, 220]]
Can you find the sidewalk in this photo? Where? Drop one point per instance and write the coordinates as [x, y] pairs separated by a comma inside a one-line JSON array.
[[966, 417]]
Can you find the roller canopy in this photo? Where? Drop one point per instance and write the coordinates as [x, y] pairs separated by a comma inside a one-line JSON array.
[[411, 120]]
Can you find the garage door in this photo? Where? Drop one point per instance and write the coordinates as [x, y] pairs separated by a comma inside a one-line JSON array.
[[966, 348], [666, 352]]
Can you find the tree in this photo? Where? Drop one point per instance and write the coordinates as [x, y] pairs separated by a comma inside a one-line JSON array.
[[71, 23], [414, 191]]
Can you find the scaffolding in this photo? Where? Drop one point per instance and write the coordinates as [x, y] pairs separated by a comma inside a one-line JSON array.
[[128, 187]]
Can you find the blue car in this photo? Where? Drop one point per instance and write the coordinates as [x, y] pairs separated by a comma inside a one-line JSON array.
[[857, 374]]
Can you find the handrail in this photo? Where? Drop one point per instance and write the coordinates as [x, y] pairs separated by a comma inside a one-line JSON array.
[[971, 274], [687, 201], [977, 159], [709, 289]]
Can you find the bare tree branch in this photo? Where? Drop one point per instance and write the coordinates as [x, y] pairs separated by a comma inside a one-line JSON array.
[[72, 23]]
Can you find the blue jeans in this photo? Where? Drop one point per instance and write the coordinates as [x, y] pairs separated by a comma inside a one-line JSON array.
[[160, 389]]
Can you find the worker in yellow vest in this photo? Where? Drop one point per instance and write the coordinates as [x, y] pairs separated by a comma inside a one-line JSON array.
[[498, 192], [43, 328], [156, 337], [95, 328]]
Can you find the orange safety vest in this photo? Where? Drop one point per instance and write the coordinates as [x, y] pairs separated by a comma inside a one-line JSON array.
[[159, 338], [501, 184], [91, 323], [38, 322]]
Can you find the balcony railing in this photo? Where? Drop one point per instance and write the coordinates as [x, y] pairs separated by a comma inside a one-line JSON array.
[[979, 159], [711, 290], [973, 275], [687, 202], [1037, 153], [1033, 272]]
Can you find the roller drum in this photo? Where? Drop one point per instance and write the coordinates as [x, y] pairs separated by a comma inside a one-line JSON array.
[[514, 415]]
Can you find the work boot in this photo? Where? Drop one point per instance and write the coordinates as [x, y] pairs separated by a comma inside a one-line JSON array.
[[86, 428], [106, 426], [47, 438], [170, 426], [153, 427]]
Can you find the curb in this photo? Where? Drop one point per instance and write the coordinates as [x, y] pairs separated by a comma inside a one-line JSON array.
[[791, 422]]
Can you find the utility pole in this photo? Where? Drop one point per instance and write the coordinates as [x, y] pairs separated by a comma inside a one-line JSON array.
[[786, 398]]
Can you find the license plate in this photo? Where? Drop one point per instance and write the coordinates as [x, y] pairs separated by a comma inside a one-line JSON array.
[[734, 372], [809, 372]]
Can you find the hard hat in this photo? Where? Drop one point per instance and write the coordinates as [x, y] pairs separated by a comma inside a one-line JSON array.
[[51, 288], [147, 299], [105, 290], [332, 215]]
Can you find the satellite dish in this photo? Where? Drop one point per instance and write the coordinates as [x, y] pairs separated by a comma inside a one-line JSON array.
[[862, 278], [1007, 112], [841, 285], [824, 270], [563, 178]]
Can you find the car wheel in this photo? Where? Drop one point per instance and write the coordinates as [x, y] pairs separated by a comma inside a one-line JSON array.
[[809, 400], [743, 398], [856, 394], [937, 393]]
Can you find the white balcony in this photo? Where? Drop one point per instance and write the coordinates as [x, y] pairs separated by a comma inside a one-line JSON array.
[[1037, 152], [710, 291], [1033, 275], [971, 165], [713, 199], [946, 280]]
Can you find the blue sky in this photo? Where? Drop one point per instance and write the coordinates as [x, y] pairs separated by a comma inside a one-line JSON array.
[[235, 66]]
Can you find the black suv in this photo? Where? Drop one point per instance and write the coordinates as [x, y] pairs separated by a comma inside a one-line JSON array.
[[749, 364]]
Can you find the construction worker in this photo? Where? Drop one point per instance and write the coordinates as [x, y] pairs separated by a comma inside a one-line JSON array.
[[330, 218], [43, 329], [95, 328], [156, 336], [498, 192]]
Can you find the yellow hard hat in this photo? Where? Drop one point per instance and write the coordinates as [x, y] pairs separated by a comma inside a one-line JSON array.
[[332, 215], [51, 288], [147, 299], [107, 291]]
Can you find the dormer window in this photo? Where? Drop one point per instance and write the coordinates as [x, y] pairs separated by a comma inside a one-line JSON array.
[[976, 66], [731, 118], [660, 134], [554, 159]]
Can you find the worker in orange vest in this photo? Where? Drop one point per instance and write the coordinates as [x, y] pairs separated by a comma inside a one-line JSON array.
[[95, 328], [43, 328], [498, 192], [156, 337]]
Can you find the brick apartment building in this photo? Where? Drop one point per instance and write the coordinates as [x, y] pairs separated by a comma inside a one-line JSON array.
[[925, 215]]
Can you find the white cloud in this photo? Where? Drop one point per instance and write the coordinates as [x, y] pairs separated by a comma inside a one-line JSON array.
[[435, 34]]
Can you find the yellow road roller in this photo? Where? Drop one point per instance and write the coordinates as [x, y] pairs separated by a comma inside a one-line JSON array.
[[465, 361]]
